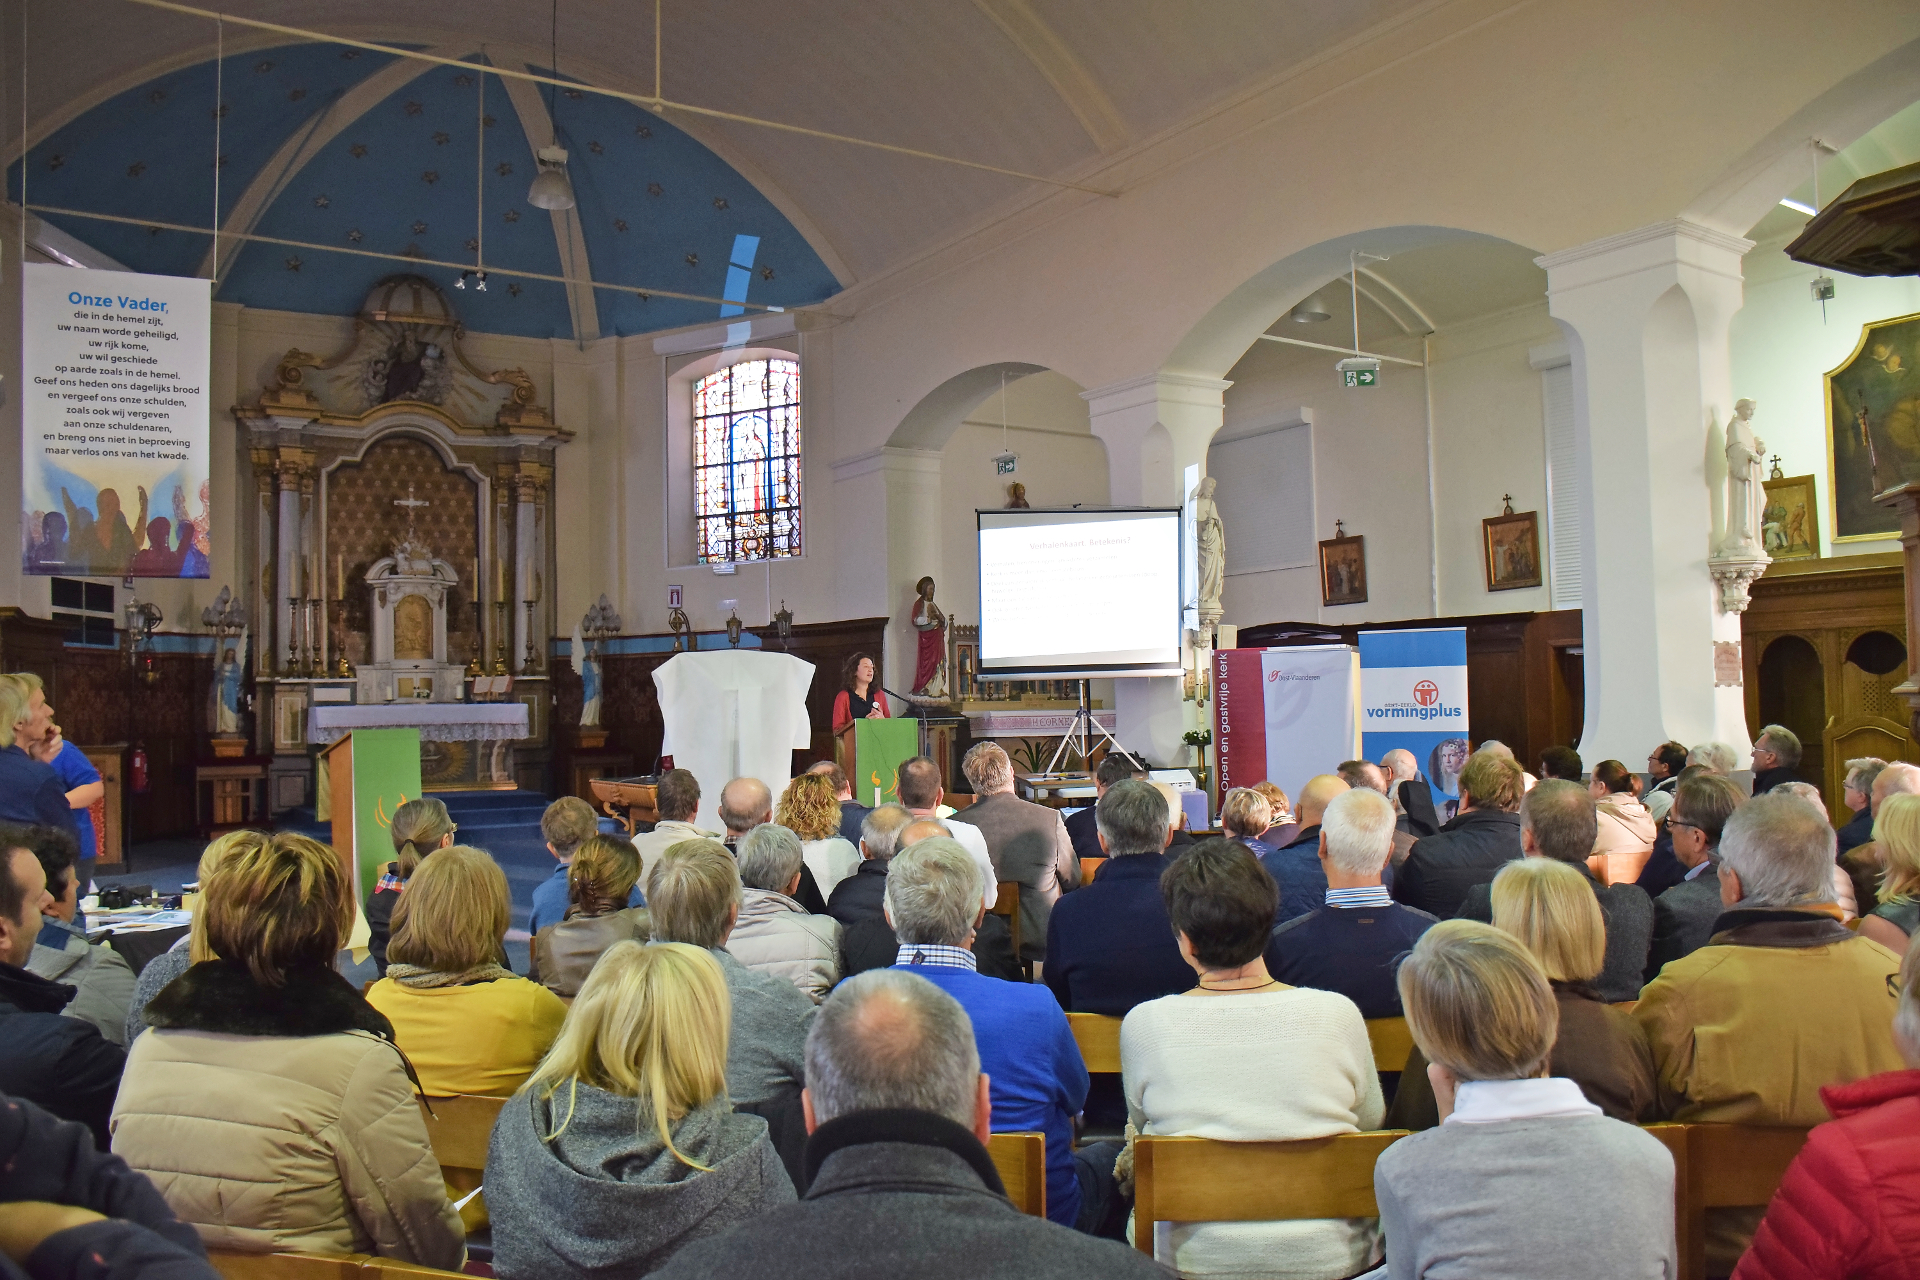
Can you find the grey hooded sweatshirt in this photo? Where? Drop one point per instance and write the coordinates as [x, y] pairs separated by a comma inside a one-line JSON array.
[[606, 1198]]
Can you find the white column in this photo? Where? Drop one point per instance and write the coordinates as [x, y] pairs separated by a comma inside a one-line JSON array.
[[1646, 315], [887, 535], [1154, 428]]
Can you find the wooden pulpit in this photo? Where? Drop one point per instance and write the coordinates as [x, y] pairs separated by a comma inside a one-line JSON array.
[[1906, 501]]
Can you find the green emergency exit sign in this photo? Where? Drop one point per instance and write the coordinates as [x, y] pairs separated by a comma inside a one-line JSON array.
[[1360, 377]]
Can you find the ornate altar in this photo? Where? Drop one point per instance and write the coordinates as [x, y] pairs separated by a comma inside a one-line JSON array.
[[363, 459]]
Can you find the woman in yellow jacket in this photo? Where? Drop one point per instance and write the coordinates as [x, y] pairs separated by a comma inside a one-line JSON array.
[[464, 1020]]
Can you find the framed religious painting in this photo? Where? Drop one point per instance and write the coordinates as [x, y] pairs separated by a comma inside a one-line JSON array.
[[1512, 545], [1873, 428], [1789, 522], [1343, 568]]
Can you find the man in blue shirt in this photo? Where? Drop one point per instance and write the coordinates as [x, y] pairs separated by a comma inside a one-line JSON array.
[[1109, 944], [1295, 867], [566, 825], [1028, 1053], [30, 791], [1349, 944]]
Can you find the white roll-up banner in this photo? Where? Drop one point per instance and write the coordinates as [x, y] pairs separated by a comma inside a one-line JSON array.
[[114, 438]]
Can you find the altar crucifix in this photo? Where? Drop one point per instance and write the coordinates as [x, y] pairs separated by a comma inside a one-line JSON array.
[[412, 504]]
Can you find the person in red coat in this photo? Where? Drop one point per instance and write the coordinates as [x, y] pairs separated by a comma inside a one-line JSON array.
[[1849, 1207], [858, 698]]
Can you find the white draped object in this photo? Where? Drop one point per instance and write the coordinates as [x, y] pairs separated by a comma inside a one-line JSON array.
[[733, 713]]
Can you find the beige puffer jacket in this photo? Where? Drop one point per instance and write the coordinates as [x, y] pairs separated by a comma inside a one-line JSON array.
[[306, 1143], [777, 938]]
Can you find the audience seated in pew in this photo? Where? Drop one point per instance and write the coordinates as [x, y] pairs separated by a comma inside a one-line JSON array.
[[1847, 1204], [1109, 943], [809, 810], [1026, 842], [1548, 906], [1351, 943], [1481, 838], [1557, 821], [1523, 1177], [1370, 776], [1894, 916], [568, 823], [1663, 869], [694, 898], [1284, 827], [102, 980], [1082, 827], [69, 1211], [1246, 1058], [1026, 1049], [268, 1101], [60, 1063], [900, 1183], [418, 828], [464, 1020], [599, 879], [623, 1147], [1865, 864], [1843, 895], [175, 960], [1856, 792], [1785, 1001], [1684, 915], [861, 896], [773, 935], [1295, 867]]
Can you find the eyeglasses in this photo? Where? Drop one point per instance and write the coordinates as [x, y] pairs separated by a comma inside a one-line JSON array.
[[1678, 822]]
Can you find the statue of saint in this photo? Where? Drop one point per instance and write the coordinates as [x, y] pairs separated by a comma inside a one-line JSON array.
[[226, 706], [1746, 495], [1210, 544], [930, 664], [1017, 497]]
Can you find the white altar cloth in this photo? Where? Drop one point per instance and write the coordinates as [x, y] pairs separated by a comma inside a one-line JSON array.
[[733, 713], [436, 721]]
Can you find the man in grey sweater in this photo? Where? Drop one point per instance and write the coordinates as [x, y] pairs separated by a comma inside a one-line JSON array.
[[900, 1182], [694, 897]]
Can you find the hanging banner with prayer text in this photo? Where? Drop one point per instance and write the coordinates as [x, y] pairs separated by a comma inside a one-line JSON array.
[[114, 438]]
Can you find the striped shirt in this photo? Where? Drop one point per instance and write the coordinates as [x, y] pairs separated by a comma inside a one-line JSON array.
[[912, 953], [1371, 895]]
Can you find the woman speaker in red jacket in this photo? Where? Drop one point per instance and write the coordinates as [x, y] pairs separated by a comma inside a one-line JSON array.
[[1849, 1207], [858, 696]]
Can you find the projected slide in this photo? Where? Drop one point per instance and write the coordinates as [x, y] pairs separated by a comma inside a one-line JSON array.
[[1070, 592]]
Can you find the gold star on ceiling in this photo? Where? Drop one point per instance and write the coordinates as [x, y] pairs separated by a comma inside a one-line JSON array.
[[430, 177], [321, 202], [412, 108], [441, 138], [137, 168], [511, 215], [419, 228], [503, 168], [357, 150]]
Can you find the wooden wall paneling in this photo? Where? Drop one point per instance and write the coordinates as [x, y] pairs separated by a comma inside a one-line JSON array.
[[827, 645]]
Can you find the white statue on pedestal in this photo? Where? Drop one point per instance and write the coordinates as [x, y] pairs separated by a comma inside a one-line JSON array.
[[1210, 547], [1746, 495]]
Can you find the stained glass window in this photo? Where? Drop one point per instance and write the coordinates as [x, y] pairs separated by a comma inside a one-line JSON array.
[[746, 461]]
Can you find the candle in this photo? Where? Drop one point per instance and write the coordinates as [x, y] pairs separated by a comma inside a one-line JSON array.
[[476, 577], [340, 572], [499, 580]]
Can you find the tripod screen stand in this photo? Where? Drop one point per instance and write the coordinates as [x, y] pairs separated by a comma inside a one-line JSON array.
[[1085, 727]]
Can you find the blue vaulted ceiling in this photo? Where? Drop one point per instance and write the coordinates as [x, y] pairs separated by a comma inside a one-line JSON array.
[[657, 209]]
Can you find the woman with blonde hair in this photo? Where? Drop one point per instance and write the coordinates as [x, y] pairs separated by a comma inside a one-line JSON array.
[[267, 1101], [464, 1020], [1524, 1176], [1245, 815], [1551, 908], [600, 882], [809, 809], [1896, 833], [418, 828], [1284, 829], [623, 1147], [193, 948]]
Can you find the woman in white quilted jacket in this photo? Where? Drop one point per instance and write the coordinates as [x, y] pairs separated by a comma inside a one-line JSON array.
[[775, 934], [1624, 840], [268, 1102]]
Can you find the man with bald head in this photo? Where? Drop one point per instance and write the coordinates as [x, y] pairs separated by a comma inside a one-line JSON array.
[[746, 803], [1296, 867]]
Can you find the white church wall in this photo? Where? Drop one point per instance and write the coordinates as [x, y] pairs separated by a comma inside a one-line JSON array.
[[1061, 462], [1782, 349]]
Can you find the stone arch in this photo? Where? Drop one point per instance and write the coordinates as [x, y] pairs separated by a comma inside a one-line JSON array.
[[931, 422]]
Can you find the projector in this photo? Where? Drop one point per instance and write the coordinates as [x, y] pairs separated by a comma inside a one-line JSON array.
[[1004, 463]]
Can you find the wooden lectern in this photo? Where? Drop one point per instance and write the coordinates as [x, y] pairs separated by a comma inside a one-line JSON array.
[[337, 760], [845, 754], [370, 773]]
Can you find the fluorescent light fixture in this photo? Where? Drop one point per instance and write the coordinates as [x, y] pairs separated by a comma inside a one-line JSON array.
[[1797, 207]]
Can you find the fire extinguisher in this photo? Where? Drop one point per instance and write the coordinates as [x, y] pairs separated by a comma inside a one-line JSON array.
[[137, 768]]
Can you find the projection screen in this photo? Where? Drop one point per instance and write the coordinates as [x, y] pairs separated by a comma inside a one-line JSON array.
[[1079, 593]]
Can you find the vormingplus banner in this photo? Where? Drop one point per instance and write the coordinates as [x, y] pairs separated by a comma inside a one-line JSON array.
[[1284, 715], [1413, 695], [114, 442]]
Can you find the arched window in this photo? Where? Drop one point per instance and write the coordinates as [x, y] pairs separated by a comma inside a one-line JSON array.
[[746, 461]]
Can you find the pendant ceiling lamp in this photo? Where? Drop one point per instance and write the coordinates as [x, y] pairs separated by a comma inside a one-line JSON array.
[[551, 190]]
